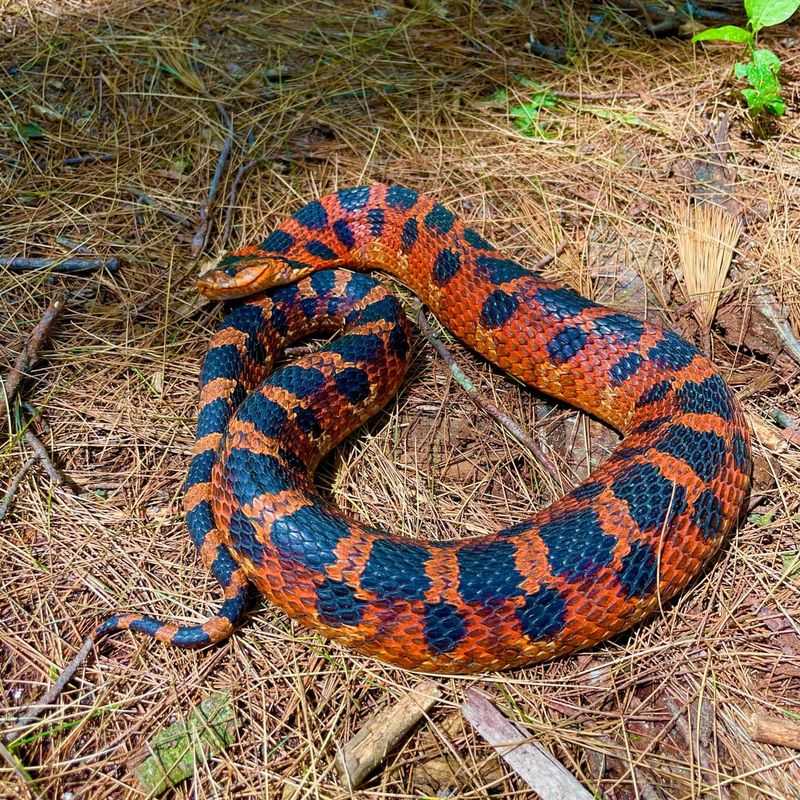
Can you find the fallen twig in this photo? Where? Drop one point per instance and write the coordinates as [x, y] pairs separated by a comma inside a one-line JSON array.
[[546, 776], [240, 175], [697, 733], [381, 732], [201, 234], [35, 710], [543, 262], [146, 200], [50, 468], [770, 309], [87, 158], [471, 390], [29, 353], [72, 245], [772, 730], [21, 264], [8, 497]]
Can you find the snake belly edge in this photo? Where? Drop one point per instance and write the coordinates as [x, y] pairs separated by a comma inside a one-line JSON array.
[[587, 567]]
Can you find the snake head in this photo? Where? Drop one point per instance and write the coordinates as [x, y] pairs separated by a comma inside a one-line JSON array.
[[247, 271]]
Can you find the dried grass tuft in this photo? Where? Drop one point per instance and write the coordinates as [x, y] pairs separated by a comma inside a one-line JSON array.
[[707, 235]]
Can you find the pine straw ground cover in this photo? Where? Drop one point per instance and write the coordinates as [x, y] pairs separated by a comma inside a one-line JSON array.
[[333, 94]]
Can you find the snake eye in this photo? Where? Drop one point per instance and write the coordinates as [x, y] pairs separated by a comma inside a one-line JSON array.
[[230, 271]]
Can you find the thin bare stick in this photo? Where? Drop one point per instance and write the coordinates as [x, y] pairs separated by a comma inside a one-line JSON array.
[[240, 175], [382, 732], [35, 710], [87, 158], [30, 350], [201, 234], [8, 497], [71, 244], [472, 392], [543, 262], [22, 264], [680, 718], [50, 468], [146, 200], [546, 776], [770, 309]]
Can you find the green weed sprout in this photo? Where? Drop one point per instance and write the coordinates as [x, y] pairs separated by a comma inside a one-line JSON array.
[[764, 92]]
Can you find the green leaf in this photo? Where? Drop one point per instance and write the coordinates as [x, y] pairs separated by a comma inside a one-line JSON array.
[[180, 750], [776, 107], [624, 117], [526, 120], [791, 565], [754, 101], [725, 33], [526, 115], [763, 13], [764, 57], [180, 165], [30, 130], [762, 75]]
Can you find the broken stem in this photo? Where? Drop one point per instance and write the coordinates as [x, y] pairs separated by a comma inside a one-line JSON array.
[[35, 710]]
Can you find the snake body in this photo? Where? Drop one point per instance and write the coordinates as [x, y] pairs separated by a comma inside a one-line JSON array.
[[587, 567]]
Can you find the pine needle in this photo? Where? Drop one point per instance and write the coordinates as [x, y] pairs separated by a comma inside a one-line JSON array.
[[707, 235]]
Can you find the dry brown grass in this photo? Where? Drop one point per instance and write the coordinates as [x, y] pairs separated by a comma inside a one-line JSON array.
[[366, 91]]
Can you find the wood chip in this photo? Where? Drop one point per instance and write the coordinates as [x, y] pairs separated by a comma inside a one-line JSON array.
[[382, 732], [773, 730], [546, 776]]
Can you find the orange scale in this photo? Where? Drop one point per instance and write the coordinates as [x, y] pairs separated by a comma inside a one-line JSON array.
[[352, 553], [268, 507], [196, 493], [695, 372], [676, 470], [238, 580], [675, 553], [247, 250], [616, 521], [650, 337], [166, 632], [210, 441], [530, 559], [496, 628], [217, 628], [285, 580], [706, 423], [442, 570], [208, 549], [229, 336], [219, 388]]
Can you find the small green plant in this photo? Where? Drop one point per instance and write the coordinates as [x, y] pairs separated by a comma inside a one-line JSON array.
[[761, 71], [526, 116]]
